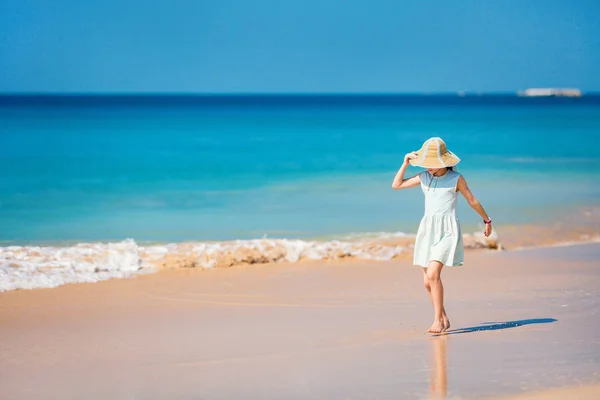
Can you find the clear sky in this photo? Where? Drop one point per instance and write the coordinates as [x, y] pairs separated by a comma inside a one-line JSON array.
[[208, 46]]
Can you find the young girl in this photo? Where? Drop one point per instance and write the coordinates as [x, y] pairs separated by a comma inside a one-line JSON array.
[[439, 238]]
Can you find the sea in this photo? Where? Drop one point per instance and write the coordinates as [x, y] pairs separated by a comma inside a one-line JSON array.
[[103, 186]]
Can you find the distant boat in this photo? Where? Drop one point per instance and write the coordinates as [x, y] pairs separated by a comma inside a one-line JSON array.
[[550, 92]]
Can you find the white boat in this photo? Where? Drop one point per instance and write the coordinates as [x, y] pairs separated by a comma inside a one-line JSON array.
[[550, 92]]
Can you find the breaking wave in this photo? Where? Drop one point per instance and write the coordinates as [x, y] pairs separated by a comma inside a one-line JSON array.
[[30, 267]]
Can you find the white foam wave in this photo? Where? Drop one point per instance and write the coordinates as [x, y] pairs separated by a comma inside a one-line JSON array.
[[29, 267], [32, 267], [225, 254]]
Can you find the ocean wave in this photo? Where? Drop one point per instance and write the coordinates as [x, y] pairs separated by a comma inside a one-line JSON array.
[[30, 267]]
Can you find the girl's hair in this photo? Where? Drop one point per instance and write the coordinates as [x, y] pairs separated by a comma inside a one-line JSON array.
[[451, 168]]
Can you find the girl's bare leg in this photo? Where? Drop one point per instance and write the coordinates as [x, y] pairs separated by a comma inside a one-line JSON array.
[[435, 288], [428, 287]]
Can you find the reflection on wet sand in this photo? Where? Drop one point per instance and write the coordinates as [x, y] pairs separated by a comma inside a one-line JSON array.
[[439, 380]]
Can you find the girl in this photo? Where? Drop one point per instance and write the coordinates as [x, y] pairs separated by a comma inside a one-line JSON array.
[[439, 238]]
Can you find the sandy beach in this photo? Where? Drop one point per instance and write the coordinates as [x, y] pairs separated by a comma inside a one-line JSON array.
[[524, 323]]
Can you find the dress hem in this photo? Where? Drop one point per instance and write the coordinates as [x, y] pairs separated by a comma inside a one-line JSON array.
[[445, 265]]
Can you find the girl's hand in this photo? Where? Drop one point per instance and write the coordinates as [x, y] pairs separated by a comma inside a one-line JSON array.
[[488, 230], [410, 156]]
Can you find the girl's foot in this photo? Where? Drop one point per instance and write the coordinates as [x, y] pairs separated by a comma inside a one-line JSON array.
[[446, 323], [438, 326]]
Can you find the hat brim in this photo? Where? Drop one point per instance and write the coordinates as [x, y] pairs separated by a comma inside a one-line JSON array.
[[448, 159]]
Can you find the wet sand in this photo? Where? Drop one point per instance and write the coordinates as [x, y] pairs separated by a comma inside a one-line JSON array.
[[522, 322]]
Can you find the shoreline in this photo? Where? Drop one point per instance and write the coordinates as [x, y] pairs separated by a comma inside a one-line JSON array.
[[33, 267]]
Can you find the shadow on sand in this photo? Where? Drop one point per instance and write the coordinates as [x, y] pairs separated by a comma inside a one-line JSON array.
[[493, 326]]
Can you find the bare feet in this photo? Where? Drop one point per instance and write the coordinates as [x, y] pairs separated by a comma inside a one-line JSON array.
[[437, 327]]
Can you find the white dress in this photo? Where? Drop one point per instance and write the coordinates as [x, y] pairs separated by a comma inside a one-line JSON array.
[[439, 237]]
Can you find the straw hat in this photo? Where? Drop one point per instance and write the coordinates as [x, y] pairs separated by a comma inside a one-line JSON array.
[[434, 154]]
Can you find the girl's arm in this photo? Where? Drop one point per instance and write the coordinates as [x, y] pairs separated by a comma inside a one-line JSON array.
[[473, 202], [399, 181]]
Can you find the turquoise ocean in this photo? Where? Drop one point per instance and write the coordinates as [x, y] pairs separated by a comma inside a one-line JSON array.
[[168, 169]]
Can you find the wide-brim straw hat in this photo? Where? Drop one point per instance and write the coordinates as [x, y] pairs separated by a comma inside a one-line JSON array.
[[434, 154]]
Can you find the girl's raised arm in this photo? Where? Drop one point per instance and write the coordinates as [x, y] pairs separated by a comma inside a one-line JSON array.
[[399, 181]]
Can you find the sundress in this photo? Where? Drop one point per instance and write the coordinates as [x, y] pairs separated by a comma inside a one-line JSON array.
[[439, 237]]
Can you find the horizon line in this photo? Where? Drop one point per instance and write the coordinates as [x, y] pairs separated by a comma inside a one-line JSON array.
[[459, 93]]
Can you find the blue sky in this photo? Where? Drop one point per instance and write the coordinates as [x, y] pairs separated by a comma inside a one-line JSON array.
[[255, 46]]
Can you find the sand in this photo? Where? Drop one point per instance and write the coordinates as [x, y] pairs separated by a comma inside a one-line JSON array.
[[524, 323]]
